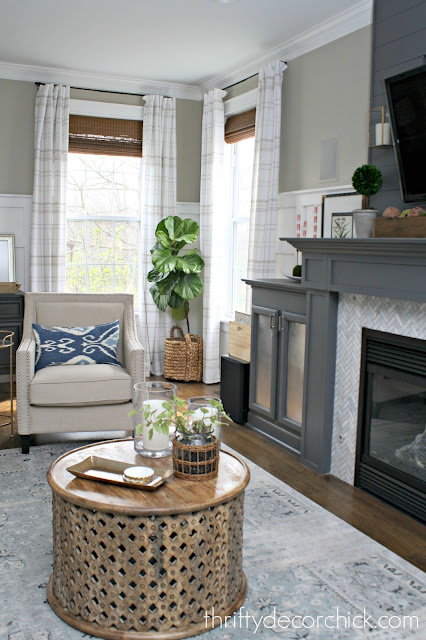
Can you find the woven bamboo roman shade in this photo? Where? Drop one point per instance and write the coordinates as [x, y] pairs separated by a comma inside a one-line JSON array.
[[105, 136], [240, 126]]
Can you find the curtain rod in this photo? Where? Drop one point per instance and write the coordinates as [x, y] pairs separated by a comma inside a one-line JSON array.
[[120, 93], [244, 79]]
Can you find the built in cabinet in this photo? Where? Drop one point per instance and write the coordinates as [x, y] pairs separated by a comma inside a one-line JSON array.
[[277, 370]]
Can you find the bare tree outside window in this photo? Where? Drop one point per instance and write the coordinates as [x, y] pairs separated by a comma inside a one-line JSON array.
[[103, 224]]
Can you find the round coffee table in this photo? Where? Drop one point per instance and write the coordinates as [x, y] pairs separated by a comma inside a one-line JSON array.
[[134, 564]]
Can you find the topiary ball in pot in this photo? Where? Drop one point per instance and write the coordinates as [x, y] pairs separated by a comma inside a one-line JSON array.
[[367, 181]]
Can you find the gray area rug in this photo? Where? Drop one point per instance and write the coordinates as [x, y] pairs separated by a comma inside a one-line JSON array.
[[302, 564]]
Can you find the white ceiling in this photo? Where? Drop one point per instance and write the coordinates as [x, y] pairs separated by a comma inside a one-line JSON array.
[[174, 41]]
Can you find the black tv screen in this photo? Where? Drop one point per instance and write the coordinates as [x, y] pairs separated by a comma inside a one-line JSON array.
[[406, 94]]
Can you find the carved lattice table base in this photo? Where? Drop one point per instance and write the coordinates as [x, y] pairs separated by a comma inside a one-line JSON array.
[[156, 573]]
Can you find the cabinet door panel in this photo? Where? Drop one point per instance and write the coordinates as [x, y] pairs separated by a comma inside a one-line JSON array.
[[292, 369], [295, 370], [264, 350]]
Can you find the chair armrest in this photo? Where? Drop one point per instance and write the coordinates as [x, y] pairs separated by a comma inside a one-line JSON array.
[[25, 364], [134, 358]]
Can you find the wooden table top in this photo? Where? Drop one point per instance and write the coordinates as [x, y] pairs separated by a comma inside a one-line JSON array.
[[174, 496]]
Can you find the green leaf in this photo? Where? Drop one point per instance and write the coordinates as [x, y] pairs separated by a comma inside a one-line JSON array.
[[156, 247], [163, 260], [178, 314], [163, 239], [189, 231], [173, 225], [175, 302], [166, 285], [190, 263], [160, 300], [154, 275], [190, 286]]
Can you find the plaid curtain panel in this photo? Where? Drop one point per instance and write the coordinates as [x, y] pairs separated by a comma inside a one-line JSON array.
[[158, 202], [212, 223], [48, 220], [264, 199]]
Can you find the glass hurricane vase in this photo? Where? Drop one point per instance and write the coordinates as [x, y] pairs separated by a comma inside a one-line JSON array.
[[204, 411], [153, 423]]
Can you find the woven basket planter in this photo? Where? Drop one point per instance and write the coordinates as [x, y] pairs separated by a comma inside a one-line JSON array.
[[196, 462], [183, 357]]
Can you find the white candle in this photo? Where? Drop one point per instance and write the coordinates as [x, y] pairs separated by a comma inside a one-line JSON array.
[[383, 133], [159, 440]]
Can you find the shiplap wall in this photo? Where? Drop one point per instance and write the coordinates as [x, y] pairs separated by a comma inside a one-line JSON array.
[[399, 44]]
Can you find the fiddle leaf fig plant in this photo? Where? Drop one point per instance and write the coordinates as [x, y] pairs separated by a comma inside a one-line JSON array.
[[175, 275]]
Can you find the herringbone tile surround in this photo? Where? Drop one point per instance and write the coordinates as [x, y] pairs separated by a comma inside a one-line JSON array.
[[355, 312]]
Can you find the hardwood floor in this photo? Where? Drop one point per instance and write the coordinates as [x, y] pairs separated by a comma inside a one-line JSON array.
[[388, 526]]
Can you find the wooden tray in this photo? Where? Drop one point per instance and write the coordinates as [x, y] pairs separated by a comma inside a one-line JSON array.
[[111, 471], [9, 287], [414, 227]]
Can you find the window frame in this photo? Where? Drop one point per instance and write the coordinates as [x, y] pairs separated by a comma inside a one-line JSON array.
[[104, 110]]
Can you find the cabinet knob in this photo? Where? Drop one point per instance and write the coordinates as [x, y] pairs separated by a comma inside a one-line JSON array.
[[272, 322]]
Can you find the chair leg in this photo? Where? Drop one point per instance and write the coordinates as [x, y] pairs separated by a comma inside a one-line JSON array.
[[25, 444]]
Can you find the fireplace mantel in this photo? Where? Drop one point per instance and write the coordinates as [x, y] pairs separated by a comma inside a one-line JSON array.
[[383, 267]]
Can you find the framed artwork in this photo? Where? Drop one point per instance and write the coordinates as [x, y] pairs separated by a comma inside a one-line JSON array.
[[337, 203], [7, 258], [341, 225]]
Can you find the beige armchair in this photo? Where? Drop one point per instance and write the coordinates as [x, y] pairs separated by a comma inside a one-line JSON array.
[[75, 398]]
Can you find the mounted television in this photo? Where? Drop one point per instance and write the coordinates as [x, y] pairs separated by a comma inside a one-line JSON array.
[[406, 94]]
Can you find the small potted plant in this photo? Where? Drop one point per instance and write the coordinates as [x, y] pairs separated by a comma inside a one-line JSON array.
[[367, 181], [196, 444]]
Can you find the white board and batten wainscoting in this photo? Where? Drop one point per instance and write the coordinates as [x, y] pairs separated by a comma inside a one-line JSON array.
[[15, 218], [290, 204]]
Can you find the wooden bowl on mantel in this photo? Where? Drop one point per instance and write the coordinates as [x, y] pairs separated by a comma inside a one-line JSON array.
[[9, 287], [413, 227]]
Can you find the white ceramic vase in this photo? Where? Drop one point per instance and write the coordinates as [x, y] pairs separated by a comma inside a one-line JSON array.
[[363, 221]]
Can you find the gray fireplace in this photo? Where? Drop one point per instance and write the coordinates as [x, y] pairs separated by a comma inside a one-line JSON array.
[[347, 286]]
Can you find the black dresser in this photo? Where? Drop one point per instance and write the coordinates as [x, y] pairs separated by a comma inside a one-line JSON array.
[[11, 319]]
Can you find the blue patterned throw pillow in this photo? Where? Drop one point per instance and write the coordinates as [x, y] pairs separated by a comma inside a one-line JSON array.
[[76, 345]]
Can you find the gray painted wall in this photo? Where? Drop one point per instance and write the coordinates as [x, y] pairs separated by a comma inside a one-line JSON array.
[[325, 95], [399, 44], [17, 137]]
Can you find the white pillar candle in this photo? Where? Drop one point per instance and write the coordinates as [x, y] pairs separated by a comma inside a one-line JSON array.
[[159, 440], [383, 135]]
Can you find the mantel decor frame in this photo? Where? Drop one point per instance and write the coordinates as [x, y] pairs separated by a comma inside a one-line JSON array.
[[338, 203]]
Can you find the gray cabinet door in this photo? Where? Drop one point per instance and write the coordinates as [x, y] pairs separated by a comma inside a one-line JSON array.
[[263, 372]]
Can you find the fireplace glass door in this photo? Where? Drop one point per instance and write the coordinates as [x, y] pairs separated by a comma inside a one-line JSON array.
[[397, 429], [391, 453]]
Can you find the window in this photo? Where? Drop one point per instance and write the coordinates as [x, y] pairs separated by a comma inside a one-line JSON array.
[[240, 163], [103, 207]]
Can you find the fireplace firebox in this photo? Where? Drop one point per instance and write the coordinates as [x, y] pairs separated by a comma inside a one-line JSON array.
[[391, 444]]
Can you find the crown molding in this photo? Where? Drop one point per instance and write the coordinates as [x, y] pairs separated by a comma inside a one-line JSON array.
[[323, 33], [103, 82]]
